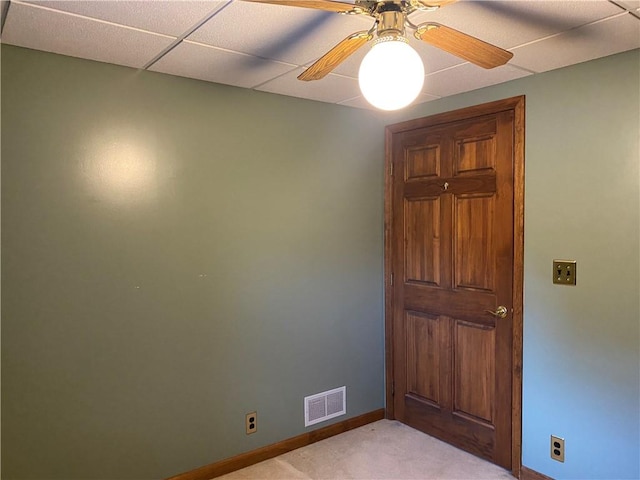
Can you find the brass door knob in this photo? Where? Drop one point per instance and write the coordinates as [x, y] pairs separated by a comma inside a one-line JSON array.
[[500, 312]]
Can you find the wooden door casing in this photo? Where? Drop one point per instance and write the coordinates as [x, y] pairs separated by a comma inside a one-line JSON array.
[[456, 213]]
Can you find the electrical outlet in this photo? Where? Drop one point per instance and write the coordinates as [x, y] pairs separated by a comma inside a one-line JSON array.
[[251, 422], [564, 272], [557, 448]]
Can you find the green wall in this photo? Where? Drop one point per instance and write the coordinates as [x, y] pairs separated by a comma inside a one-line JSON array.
[[176, 254], [582, 202]]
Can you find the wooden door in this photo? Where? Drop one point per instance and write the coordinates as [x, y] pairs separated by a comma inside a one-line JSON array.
[[454, 254]]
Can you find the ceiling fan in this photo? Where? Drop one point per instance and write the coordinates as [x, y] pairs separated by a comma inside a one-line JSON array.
[[390, 19]]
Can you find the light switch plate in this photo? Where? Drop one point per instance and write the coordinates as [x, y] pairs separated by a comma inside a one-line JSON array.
[[564, 272]]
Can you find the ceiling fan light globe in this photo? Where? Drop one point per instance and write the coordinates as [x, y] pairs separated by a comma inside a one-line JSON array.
[[391, 74]]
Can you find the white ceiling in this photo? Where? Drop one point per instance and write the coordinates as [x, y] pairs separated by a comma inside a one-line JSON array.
[[265, 47]]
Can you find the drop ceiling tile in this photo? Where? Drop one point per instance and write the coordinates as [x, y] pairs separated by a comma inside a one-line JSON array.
[[630, 4], [425, 97], [40, 28], [468, 77], [284, 33], [614, 35], [159, 16], [511, 23], [211, 64], [358, 102], [331, 89]]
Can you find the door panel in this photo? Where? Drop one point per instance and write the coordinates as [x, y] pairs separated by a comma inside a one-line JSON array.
[[423, 356], [450, 246], [474, 155], [474, 370], [422, 233], [474, 242], [423, 161]]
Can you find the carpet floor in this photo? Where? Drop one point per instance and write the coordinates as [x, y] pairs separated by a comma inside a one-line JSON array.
[[384, 450]]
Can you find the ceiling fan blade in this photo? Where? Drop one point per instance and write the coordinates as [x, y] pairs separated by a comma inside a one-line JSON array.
[[328, 5], [335, 56], [462, 45]]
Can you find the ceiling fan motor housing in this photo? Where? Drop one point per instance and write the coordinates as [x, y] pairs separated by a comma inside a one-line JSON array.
[[391, 23]]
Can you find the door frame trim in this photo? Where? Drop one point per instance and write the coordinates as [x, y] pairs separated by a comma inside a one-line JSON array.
[[517, 105]]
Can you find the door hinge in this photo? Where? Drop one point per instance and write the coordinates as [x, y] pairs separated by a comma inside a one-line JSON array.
[[393, 388], [391, 169], [391, 279]]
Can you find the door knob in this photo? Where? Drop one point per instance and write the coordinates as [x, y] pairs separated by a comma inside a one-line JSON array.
[[500, 312]]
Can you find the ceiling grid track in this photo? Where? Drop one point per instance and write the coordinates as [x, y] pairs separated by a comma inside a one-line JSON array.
[[181, 38], [634, 13]]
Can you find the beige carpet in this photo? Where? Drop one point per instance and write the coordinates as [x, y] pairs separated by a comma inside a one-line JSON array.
[[382, 450]]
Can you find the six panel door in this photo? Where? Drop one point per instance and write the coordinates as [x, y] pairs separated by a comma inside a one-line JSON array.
[[452, 262]]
